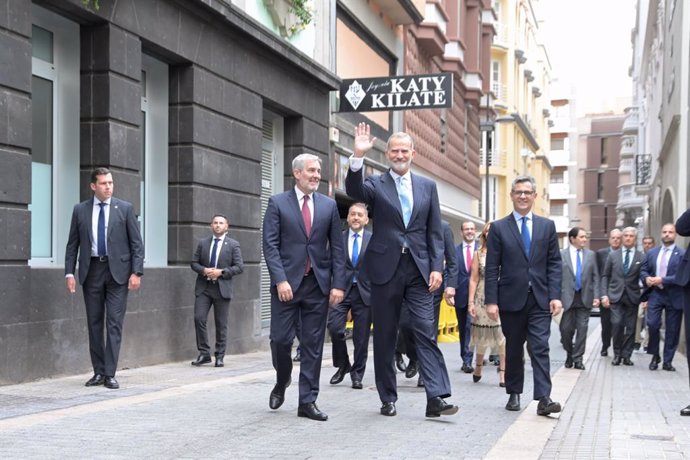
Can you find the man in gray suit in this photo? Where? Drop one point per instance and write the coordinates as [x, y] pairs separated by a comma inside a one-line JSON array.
[[621, 292], [217, 260], [579, 293], [104, 236], [615, 236]]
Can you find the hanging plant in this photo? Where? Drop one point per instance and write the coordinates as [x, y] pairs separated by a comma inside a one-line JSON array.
[[96, 4], [304, 14]]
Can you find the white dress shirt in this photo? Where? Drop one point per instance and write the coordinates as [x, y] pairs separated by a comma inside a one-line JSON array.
[[94, 225]]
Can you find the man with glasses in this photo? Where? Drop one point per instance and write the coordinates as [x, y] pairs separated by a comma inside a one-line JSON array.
[[523, 286]]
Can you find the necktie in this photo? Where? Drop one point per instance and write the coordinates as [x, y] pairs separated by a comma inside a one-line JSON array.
[[306, 217], [663, 264], [101, 230], [214, 251], [404, 197], [468, 257], [578, 271], [626, 262], [355, 250], [526, 239]]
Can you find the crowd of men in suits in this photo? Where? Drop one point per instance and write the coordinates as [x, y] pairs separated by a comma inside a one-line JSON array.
[[322, 275]]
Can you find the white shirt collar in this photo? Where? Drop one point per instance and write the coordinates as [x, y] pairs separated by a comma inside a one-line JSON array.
[[395, 175], [518, 217]]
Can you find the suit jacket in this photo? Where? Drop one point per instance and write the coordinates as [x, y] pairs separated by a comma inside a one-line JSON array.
[[509, 271], [683, 229], [363, 282], [286, 244], [450, 270], [229, 260], [602, 255], [463, 282], [614, 282], [590, 288], [424, 234], [124, 243], [671, 291]]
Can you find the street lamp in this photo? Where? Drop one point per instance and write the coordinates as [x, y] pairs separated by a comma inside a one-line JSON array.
[[487, 126]]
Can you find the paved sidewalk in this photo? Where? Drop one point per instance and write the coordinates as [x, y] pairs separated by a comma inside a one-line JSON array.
[[178, 411]]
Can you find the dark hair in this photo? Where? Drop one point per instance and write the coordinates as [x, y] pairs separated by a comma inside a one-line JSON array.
[[574, 232], [99, 172], [227, 221]]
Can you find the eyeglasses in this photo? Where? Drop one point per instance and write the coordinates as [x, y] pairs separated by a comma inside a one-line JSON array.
[[523, 193]]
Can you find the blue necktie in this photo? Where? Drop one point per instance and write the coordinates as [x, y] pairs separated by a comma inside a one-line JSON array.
[[213, 252], [578, 271], [404, 197], [524, 231], [355, 250], [101, 230], [626, 262]]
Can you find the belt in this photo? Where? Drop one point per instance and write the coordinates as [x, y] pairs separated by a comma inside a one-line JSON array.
[[404, 250], [210, 281], [100, 259]]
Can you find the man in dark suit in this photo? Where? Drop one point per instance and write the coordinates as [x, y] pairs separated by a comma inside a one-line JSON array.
[[681, 279], [579, 293], [464, 253], [217, 260], [303, 248], [104, 237], [447, 291], [357, 301], [404, 262], [620, 283], [658, 276], [615, 236], [523, 286]]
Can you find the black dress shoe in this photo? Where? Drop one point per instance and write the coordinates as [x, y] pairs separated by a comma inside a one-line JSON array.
[[388, 409], [277, 395], [96, 380], [568, 362], [513, 402], [357, 384], [219, 361], [340, 374], [604, 352], [547, 407], [435, 407], [637, 346], [579, 366], [310, 410], [411, 370], [654, 363], [467, 368], [616, 361], [400, 362], [111, 383], [668, 367], [685, 412], [201, 359], [627, 362]]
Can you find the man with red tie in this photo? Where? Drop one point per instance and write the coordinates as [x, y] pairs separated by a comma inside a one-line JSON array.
[[464, 253]]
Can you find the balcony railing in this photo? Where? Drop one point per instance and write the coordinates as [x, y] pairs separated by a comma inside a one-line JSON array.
[[500, 92], [643, 169], [501, 38]]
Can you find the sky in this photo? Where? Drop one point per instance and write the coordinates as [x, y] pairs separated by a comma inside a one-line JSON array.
[[588, 43]]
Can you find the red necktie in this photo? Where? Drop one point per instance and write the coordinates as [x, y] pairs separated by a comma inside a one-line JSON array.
[[306, 217], [468, 258]]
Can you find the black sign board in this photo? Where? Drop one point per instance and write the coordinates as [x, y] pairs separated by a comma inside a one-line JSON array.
[[397, 93]]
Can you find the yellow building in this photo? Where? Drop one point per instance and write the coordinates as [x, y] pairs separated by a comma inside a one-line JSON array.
[[518, 141]]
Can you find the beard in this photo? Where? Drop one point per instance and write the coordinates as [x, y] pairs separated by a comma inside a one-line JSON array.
[[400, 167]]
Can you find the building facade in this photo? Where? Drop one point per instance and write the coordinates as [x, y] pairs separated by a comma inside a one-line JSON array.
[[598, 162]]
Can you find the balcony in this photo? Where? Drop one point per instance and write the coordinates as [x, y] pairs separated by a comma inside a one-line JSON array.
[[501, 38], [496, 159], [643, 169], [560, 158], [500, 93], [632, 121], [403, 11], [628, 146], [560, 191], [562, 223], [628, 199], [626, 167], [562, 125]]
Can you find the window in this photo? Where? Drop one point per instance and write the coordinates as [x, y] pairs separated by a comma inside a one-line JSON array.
[[600, 186], [496, 80], [605, 142], [55, 146], [557, 209], [272, 167], [557, 144], [154, 160]]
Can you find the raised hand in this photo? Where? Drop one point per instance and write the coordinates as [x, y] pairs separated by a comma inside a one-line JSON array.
[[363, 139]]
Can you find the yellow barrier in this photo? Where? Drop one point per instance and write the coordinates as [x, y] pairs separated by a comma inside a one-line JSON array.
[[447, 324]]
